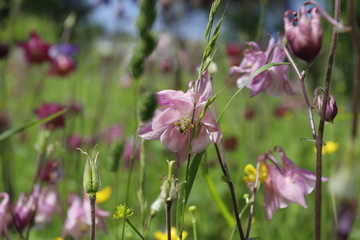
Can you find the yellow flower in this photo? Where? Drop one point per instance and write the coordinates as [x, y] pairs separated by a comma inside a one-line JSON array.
[[103, 195], [121, 211], [163, 236], [330, 147], [250, 170], [58, 238]]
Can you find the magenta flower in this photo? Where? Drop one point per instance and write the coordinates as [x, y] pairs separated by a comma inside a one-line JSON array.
[[275, 80], [78, 220], [286, 184], [36, 50], [172, 124], [305, 38], [75, 141], [47, 204], [48, 109], [4, 215]]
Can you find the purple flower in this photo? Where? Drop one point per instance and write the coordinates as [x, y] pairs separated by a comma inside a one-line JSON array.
[[48, 109], [172, 124], [47, 204], [36, 50], [275, 80], [75, 141], [286, 184], [305, 38], [4, 215], [78, 220]]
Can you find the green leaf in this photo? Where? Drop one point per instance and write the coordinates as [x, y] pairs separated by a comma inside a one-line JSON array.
[[260, 70], [186, 189], [16, 130]]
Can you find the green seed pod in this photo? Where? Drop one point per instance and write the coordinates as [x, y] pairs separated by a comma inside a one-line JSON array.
[[148, 107], [91, 178]]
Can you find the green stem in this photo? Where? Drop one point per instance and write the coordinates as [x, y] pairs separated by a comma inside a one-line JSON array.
[[134, 228], [221, 205]]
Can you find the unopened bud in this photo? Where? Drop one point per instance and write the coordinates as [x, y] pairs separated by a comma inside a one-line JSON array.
[[331, 108], [91, 178], [305, 38]]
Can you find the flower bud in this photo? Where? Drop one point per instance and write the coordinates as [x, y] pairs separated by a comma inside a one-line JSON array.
[[331, 108], [91, 178], [305, 38]]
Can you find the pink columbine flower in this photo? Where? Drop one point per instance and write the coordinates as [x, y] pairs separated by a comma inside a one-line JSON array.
[[5, 216], [25, 209], [47, 204], [36, 50], [275, 80], [48, 109], [305, 38], [78, 220], [172, 124], [286, 184]]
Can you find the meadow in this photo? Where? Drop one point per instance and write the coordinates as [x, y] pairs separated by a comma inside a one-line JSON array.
[[136, 103]]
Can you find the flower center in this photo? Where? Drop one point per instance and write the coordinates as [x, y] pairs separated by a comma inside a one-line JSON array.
[[251, 173], [183, 125]]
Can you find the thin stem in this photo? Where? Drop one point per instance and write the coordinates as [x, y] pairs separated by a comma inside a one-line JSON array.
[[319, 140], [232, 191], [134, 228], [301, 78], [168, 204], [334, 21], [356, 44], [92, 199]]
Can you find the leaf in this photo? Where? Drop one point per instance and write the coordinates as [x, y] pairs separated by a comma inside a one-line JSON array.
[[16, 130], [186, 189], [260, 70]]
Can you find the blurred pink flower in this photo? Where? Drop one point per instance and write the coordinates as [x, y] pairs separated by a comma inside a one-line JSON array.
[[5, 216], [286, 184], [47, 204], [128, 150], [52, 172], [48, 109], [112, 133], [75, 141], [62, 59], [275, 80], [172, 123], [36, 51], [78, 220], [304, 39], [25, 209]]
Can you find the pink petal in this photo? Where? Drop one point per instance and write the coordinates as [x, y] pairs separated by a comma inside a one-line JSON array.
[[175, 141]]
